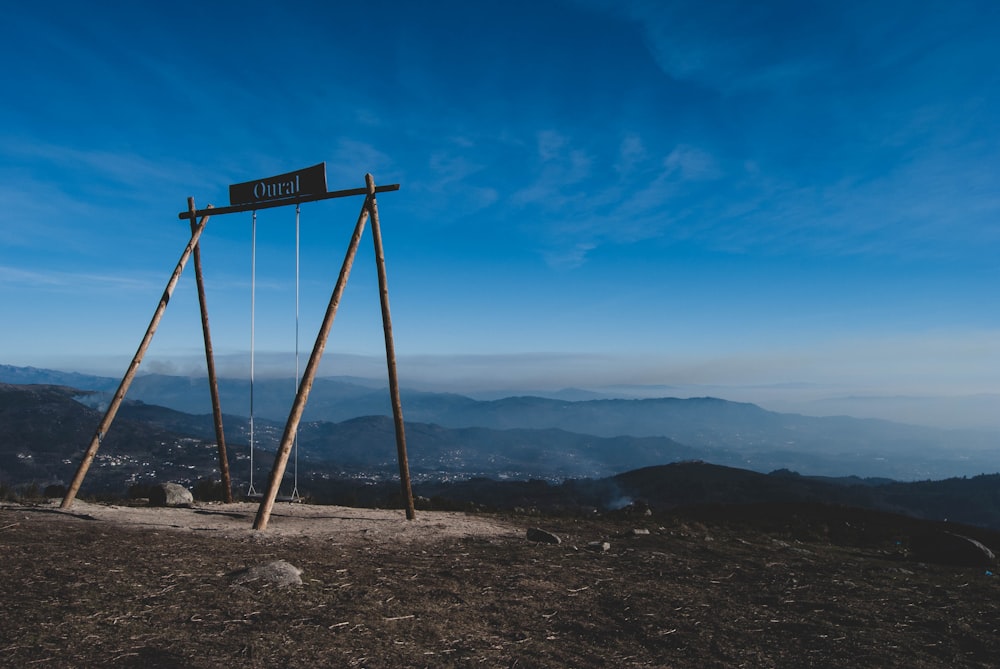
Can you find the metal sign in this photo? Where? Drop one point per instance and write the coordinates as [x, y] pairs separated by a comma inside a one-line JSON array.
[[290, 186]]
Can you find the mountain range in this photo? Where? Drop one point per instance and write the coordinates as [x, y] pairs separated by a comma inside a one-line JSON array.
[[582, 437], [44, 429]]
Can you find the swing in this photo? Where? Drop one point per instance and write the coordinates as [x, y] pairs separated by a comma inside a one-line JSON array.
[[252, 493], [307, 185]]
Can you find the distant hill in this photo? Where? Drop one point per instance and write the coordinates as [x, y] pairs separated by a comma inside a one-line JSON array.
[[974, 501], [733, 433], [51, 377], [44, 431], [440, 452], [47, 428]]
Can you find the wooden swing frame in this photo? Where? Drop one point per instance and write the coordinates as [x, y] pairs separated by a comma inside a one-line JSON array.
[[198, 219]]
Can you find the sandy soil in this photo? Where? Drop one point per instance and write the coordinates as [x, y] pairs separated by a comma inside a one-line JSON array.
[[292, 520]]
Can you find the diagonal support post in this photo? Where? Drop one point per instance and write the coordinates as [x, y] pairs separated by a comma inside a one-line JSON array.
[[309, 376], [133, 367]]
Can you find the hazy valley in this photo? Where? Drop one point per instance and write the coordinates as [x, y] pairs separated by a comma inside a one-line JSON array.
[[516, 451]]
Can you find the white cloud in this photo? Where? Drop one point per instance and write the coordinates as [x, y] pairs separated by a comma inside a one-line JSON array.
[[133, 174], [693, 163], [448, 167], [732, 46], [631, 152], [569, 257], [352, 159], [73, 281], [558, 175], [550, 145], [452, 182]]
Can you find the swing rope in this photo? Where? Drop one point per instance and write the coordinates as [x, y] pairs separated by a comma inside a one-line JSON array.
[[253, 298], [251, 491], [295, 486]]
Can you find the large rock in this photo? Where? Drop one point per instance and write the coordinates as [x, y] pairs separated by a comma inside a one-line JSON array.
[[277, 573], [170, 494]]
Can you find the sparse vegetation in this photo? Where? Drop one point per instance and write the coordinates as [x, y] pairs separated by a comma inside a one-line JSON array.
[[722, 587], [22, 493]]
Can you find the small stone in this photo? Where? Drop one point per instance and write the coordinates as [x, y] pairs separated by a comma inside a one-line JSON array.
[[599, 546], [542, 536], [639, 532]]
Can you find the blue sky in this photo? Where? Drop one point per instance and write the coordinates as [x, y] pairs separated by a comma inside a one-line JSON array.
[[774, 202]]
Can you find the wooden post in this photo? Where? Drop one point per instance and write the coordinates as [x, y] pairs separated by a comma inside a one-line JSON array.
[[119, 396], [308, 376], [213, 383], [390, 355]]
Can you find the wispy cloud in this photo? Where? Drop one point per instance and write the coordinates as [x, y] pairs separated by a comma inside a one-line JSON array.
[[74, 282], [851, 149], [569, 257], [131, 174], [733, 47], [608, 194], [631, 152], [559, 169], [451, 181], [352, 159]]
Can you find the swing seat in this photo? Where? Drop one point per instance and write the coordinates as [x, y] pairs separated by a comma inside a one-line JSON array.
[[257, 497]]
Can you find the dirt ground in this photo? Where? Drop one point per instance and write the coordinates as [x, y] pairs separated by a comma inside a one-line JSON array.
[[117, 586]]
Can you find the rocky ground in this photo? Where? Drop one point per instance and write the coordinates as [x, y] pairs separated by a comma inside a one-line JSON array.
[[116, 586]]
